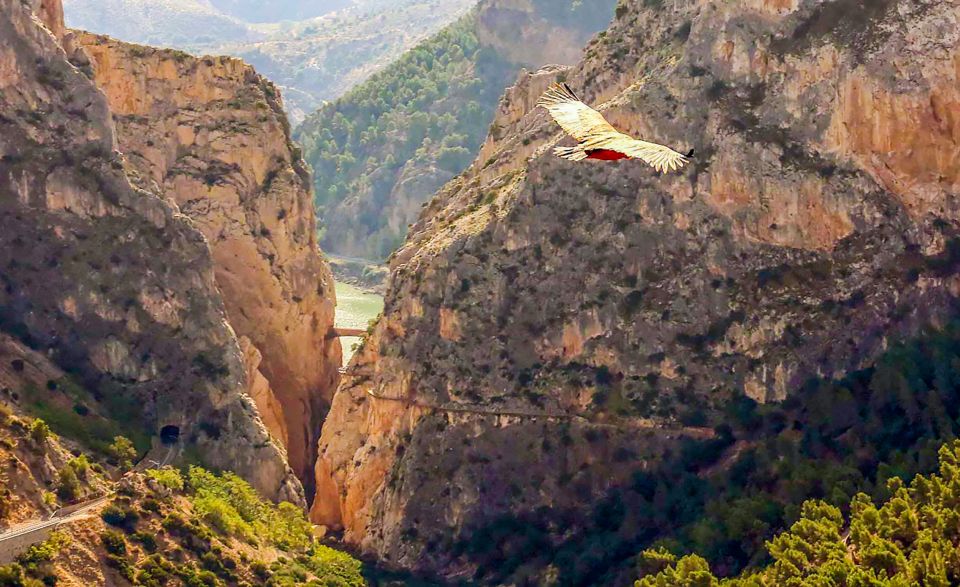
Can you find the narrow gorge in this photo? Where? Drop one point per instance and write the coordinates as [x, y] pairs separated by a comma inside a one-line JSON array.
[[210, 134], [584, 372]]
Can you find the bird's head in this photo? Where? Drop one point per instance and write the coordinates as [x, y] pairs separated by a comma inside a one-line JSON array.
[[689, 154]]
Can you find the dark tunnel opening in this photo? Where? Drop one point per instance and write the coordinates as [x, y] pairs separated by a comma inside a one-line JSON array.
[[170, 435]]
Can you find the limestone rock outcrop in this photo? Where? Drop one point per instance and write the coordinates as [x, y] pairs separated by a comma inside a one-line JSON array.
[[817, 223], [107, 279], [212, 136]]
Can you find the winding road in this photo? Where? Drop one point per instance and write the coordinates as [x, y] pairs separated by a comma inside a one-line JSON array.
[[19, 538]]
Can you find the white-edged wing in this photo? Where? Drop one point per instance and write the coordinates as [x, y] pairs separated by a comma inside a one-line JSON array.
[[594, 133]]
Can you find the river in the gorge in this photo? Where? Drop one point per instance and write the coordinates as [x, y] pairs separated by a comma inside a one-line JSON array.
[[355, 309]]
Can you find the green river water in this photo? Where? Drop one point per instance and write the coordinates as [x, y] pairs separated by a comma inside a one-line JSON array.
[[355, 309]]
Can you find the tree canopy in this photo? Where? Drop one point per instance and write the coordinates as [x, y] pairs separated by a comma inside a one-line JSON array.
[[911, 538]]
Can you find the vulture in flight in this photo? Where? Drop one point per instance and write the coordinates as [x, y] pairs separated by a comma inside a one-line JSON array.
[[597, 139]]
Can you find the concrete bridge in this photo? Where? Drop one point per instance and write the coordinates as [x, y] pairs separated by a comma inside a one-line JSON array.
[[342, 332]]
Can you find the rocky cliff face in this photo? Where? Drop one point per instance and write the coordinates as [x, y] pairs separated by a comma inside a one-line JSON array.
[[211, 135], [50, 13], [108, 279], [539, 32], [817, 223]]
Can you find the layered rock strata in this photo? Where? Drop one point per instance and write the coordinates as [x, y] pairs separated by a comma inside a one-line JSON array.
[[211, 135]]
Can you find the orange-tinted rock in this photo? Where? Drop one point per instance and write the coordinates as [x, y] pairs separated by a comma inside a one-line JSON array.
[[110, 280], [799, 242], [212, 134]]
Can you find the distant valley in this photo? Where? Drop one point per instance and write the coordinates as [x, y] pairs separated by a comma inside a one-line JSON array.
[[381, 151], [313, 51]]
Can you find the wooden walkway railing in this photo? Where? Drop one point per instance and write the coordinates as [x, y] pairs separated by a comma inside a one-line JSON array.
[[632, 423]]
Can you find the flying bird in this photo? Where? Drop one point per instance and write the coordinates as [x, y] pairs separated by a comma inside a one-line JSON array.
[[597, 139]]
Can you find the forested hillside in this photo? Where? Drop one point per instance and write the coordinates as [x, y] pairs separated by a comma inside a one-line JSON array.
[[382, 150], [910, 538], [431, 110]]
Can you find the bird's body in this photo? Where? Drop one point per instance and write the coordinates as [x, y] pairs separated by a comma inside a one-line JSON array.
[[606, 155], [597, 139]]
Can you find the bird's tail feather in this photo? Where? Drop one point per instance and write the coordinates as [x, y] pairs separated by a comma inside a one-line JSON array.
[[571, 153], [557, 94]]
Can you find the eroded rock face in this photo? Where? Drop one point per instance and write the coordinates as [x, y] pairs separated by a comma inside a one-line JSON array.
[[371, 197], [212, 135], [50, 13], [539, 32], [814, 225], [109, 280]]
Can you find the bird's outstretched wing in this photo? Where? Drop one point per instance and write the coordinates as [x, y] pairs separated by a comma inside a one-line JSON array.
[[594, 133], [659, 157], [576, 118]]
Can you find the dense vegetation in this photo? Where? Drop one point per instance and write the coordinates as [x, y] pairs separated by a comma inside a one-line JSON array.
[[430, 109], [198, 529], [832, 441], [912, 538]]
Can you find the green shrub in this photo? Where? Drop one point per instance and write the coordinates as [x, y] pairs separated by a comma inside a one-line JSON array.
[[123, 565], [122, 452], [167, 477], [39, 433], [328, 566], [151, 505], [12, 575], [155, 571], [223, 518], [114, 542], [121, 516], [68, 485], [44, 552], [80, 466], [193, 536], [146, 540]]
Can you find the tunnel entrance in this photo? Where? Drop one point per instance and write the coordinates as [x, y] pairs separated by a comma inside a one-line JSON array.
[[170, 435]]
